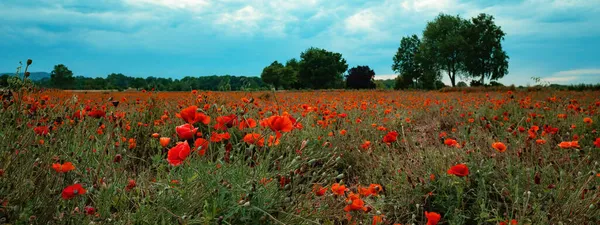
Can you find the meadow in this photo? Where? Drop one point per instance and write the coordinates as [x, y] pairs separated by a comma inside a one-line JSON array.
[[313, 157]]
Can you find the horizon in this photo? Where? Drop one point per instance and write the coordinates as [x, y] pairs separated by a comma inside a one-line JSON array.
[[555, 40]]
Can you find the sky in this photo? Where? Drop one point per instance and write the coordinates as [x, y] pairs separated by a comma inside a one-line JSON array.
[[558, 40]]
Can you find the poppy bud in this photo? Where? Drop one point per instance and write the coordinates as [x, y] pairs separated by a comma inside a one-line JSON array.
[[27, 74], [536, 179], [29, 61], [89, 210], [117, 158]]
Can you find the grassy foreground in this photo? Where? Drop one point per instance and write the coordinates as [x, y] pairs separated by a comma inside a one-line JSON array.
[[331, 157]]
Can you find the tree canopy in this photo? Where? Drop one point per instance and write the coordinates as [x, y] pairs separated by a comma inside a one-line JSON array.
[[360, 77]]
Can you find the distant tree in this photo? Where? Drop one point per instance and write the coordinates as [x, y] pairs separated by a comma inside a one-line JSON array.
[[61, 77], [273, 75], [462, 84], [406, 62], [118, 81], [484, 57], [360, 77], [443, 37], [320, 69], [4, 80], [496, 84]]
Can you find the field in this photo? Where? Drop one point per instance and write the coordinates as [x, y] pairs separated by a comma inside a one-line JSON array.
[[320, 157]]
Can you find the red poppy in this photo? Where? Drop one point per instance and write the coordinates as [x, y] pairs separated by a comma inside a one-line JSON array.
[[201, 145], [130, 185], [66, 167], [253, 138], [569, 144], [191, 115], [280, 123], [319, 190], [588, 120], [597, 142], [164, 141], [177, 154], [451, 142], [186, 131], [459, 170], [365, 145], [390, 137], [72, 191], [338, 189], [41, 130], [501, 147], [432, 218], [247, 123], [373, 189], [89, 210], [224, 122], [216, 137], [355, 203], [96, 113]]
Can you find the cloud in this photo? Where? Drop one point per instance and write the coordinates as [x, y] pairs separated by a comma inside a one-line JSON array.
[[385, 76], [578, 72], [574, 76]]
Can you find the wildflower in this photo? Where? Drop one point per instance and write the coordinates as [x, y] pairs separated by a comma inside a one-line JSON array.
[[365, 145], [377, 219], [164, 141], [540, 141], [132, 143], [72, 191], [155, 135], [432, 218], [459, 170], [247, 123], [588, 120], [338, 189], [41, 130], [569, 144], [390, 137], [224, 122], [512, 222], [373, 189], [117, 158], [280, 124], [66, 167], [451, 142], [254, 138], [97, 113], [597, 142], [177, 154], [201, 145], [319, 190], [130, 185], [191, 115], [186, 131], [501, 147], [89, 210], [216, 137], [355, 204]]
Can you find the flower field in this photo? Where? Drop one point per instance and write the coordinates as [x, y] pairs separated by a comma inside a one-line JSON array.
[[315, 157]]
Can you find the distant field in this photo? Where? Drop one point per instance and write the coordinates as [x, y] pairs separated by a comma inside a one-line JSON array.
[[311, 157]]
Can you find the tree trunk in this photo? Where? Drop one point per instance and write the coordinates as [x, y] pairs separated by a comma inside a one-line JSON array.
[[452, 78]]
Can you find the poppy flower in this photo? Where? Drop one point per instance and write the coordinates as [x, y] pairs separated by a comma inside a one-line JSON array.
[[501, 147], [377, 219], [254, 138], [66, 167], [164, 141], [177, 154], [155, 135], [540, 141], [390, 137], [186, 131], [216, 137], [569, 144], [432, 218], [89, 210], [365, 145], [451, 142], [459, 170], [597, 142], [41, 130], [373, 189], [338, 189], [191, 115], [512, 222], [201, 145], [72, 191], [224, 122], [319, 190], [356, 204], [96, 113], [130, 185], [588, 120], [247, 123], [280, 123]]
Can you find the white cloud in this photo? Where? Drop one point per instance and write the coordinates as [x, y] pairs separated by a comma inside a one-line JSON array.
[[385, 76], [362, 21], [172, 4], [578, 72]]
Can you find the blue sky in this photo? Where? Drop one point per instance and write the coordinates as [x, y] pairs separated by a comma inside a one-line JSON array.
[[556, 40]]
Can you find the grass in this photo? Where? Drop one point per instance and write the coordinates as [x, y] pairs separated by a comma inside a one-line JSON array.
[[239, 183]]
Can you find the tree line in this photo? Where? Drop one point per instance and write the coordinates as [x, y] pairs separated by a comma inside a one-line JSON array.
[[62, 78]]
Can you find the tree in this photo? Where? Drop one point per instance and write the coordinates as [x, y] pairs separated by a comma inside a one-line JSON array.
[[273, 74], [320, 69], [4, 80], [444, 38], [484, 57], [405, 60], [462, 84], [360, 77], [61, 77]]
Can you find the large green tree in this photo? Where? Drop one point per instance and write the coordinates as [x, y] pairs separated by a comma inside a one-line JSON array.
[[273, 75], [61, 77], [443, 37], [360, 77], [484, 56], [319, 69], [406, 63]]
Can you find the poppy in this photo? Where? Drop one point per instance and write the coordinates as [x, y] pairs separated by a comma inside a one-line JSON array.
[[72, 191], [164, 141], [451, 142], [588, 120], [66, 167], [254, 138], [365, 145], [177, 154], [390, 137], [41, 130], [540, 141], [130, 185], [501, 147], [355, 204], [432, 218], [597, 142], [155, 135], [569, 144], [338, 189], [459, 170], [201, 145], [280, 123], [247, 123], [319, 190], [224, 122], [97, 113], [186, 131], [89, 210], [191, 115], [377, 220], [373, 189], [216, 137]]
